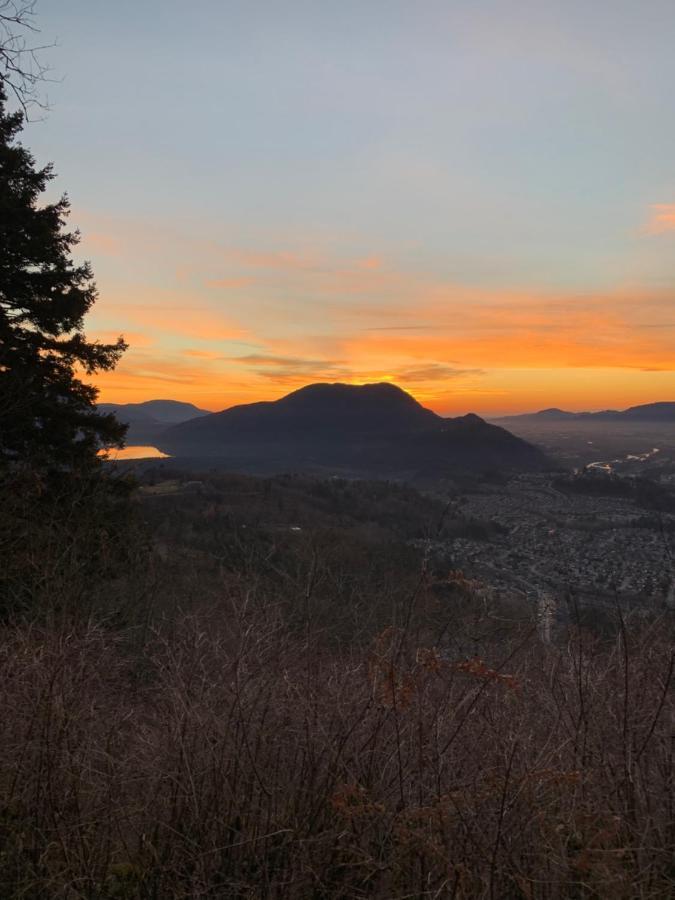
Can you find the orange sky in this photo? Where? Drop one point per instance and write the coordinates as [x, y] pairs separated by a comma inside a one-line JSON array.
[[226, 325]]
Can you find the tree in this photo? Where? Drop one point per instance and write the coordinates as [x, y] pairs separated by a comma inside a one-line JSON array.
[[48, 418]]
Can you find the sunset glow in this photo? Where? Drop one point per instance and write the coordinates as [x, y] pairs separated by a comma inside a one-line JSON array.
[[477, 203], [273, 321]]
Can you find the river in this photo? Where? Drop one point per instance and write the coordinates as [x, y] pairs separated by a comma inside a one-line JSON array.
[[632, 457]]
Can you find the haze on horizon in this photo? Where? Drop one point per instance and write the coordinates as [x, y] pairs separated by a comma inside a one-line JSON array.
[[475, 201]]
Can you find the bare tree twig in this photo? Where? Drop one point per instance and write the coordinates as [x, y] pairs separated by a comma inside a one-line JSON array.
[[22, 71]]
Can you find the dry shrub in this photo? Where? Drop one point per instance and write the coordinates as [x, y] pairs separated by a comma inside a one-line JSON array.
[[232, 759]]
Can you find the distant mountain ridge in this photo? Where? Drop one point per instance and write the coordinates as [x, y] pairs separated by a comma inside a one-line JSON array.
[[373, 428], [647, 412], [146, 420]]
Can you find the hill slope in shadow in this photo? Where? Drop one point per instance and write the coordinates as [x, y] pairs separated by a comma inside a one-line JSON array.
[[647, 412], [148, 419], [370, 429]]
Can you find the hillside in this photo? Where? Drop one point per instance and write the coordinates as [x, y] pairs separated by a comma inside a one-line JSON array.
[[146, 420], [648, 412], [367, 429]]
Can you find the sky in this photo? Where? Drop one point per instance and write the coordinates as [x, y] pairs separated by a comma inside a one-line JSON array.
[[474, 199]]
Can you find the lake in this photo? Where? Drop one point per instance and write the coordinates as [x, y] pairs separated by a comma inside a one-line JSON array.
[[135, 452]]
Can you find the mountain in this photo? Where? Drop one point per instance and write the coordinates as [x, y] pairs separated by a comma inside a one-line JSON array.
[[164, 412], [547, 415], [146, 420], [369, 429], [648, 412]]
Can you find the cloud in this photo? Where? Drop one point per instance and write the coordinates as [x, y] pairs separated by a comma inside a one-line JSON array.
[[279, 260], [261, 359], [160, 312], [528, 332], [104, 244], [433, 372], [228, 282], [400, 328], [661, 220], [353, 316], [293, 370], [369, 263], [188, 323], [132, 338], [299, 370], [203, 354]]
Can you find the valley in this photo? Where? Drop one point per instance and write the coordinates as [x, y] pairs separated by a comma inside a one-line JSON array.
[[597, 548], [565, 507]]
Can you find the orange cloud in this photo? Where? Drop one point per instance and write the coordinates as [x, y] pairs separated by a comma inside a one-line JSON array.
[[133, 338], [369, 263], [143, 375], [202, 354], [308, 316], [591, 341], [295, 371], [218, 383], [187, 323], [228, 282], [162, 312], [278, 260], [98, 242], [662, 219], [433, 372]]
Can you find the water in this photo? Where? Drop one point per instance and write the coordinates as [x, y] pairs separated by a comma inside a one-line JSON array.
[[137, 451], [609, 466]]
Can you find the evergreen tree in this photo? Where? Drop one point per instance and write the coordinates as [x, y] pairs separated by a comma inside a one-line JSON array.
[[48, 417]]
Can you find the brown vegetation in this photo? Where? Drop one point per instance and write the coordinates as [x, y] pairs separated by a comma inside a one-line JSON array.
[[235, 748]]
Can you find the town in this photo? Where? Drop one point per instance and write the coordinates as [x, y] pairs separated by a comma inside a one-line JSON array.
[[554, 542]]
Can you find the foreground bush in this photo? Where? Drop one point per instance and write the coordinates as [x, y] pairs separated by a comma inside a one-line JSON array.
[[238, 761], [68, 542]]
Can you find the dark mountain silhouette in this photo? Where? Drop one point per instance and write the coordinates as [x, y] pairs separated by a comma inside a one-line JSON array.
[[373, 428], [146, 420], [549, 415], [648, 412]]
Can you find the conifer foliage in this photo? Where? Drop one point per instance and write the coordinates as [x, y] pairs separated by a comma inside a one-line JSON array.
[[48, 417]]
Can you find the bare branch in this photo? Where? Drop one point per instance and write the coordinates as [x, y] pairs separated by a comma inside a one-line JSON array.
[[22, 70]]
